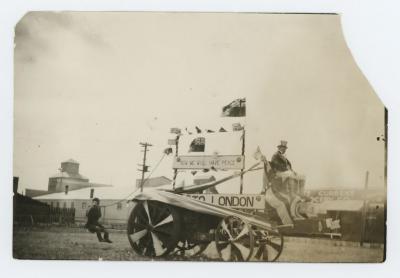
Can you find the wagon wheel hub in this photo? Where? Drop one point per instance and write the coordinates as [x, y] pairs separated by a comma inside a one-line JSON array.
[[234, 239], [153, 229], [268, 245], [149, 227]]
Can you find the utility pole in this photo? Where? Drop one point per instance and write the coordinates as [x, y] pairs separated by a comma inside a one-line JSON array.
[[145, 168]]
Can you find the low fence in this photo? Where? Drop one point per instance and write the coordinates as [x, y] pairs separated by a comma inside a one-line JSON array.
[[62, 215], [31, 215]]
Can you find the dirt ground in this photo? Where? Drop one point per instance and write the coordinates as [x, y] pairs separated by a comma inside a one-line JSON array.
[[57, 243]]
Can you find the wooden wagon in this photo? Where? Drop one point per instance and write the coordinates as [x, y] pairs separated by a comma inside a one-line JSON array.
[[172, 221], [163, 222]]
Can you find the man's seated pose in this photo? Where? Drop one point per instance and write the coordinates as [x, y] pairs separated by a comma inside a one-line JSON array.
[[275, 173], [93, 225]]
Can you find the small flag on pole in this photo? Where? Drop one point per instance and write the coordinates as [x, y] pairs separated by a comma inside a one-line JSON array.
[[257, 154], [168, 151], [236, 108], [175, 130], [237, 127]]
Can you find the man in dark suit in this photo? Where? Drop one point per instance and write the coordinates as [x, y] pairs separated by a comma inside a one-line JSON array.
[[279, 162], [93, 225], [273, 194]]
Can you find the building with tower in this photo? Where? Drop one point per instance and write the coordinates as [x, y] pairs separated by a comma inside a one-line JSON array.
[[68, 178]]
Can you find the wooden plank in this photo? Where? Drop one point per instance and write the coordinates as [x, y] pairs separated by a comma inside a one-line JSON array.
[[243, 201], [208, 162]]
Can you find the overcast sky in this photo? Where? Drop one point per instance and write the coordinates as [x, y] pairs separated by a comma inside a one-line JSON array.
[[91, 86]]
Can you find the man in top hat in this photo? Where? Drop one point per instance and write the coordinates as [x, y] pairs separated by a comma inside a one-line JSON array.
[[272, 170], [279, 162]]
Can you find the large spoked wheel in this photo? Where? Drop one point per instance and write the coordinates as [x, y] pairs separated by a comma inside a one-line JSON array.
[[234, 239], [268, 245], [153, 228]]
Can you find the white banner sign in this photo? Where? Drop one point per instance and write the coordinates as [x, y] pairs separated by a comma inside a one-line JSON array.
[[244, 201], [208, 161]]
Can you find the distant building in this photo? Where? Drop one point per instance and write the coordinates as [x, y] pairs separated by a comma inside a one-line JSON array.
[[337, 193], [67, 179], [113, 200], [34, 192], [202, 179], [359, 213], [68, 175], [153, 182]]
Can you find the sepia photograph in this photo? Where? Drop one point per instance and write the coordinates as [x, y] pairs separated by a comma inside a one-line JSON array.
[[195, 136]]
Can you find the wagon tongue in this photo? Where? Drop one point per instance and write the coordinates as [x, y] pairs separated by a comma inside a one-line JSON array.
[[201, 187]]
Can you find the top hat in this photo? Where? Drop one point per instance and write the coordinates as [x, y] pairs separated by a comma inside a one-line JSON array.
[[283, 144]]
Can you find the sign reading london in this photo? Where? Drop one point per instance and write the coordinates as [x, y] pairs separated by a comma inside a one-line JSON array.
[[244, 201], [207, 162]]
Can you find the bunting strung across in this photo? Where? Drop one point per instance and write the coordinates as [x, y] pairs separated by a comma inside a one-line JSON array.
[[236, 108]]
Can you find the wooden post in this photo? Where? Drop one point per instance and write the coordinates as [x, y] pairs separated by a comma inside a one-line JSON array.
[[385, 182], [386, 139], [364, 211]]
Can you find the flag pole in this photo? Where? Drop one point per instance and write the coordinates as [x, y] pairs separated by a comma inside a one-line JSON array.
[[241, 171], [176, 155]]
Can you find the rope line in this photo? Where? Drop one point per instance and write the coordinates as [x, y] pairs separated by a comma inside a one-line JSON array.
[[142, 183]]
